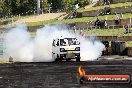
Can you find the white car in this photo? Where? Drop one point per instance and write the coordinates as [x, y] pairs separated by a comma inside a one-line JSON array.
[[66, 49]]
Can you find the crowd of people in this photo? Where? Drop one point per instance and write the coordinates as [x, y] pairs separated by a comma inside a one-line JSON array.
[[118, 18], [103, 23], [117, 22], [99, 23]]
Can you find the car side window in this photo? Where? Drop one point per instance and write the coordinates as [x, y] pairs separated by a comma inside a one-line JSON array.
[[54, 43], [57, 43]]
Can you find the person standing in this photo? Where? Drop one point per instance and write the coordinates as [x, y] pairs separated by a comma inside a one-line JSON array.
[[116, 19], [120, 18], [126, 29]]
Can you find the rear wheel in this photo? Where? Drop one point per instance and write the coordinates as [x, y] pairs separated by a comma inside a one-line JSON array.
[[78, 58], [68, 59], [58, 59]]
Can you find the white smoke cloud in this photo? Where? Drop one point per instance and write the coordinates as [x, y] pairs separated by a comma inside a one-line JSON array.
[[90, 49], [17, 43], [22, 47]]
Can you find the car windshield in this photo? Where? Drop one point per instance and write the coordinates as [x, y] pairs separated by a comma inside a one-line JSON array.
[[69, 41]]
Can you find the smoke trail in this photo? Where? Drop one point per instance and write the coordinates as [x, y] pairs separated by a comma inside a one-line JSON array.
[[18, 45], [23, 48], [90, 49]]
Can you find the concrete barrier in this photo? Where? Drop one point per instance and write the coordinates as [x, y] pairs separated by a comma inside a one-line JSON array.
[[100, 2], [110, 24], [129, 51], [125, 9], [120, 1], [91, 13]]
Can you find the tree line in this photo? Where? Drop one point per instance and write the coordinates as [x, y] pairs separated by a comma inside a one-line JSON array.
[[28, 7]]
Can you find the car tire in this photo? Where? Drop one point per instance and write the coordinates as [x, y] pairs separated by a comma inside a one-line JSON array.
[[57, 59], [68, 60], [78, 58]]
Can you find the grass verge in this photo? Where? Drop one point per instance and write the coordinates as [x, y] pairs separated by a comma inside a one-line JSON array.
[[101, 7]]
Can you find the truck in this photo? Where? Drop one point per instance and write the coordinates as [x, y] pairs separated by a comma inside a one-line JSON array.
[[65, 49]]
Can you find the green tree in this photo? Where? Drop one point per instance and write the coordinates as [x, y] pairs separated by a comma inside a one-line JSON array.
[[6, 8], [14, 7], [45, 5], [26, 7], [83, 3], [31, 6], [1, 4], [56, 4], [69, 5]]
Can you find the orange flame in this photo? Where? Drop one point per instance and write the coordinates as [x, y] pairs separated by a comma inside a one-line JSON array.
[[81, 71]]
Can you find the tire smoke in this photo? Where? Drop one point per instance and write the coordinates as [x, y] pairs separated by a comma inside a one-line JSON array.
[[23, 48]]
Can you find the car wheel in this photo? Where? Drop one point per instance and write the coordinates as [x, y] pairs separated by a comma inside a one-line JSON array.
[[78, 58], [68, 60], [57, 59]]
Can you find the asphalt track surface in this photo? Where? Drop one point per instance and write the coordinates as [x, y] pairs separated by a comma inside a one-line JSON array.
[[60, 75]]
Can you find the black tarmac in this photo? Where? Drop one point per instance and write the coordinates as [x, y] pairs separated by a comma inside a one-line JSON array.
[[60, 75]]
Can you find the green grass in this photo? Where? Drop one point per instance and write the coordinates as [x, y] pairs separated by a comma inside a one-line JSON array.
[[12, 18], [107, 32], [39, 23], [104, 32], [33, 34], [66, 21], [5, 62], [129, 44], [82, 19], [86, 19], [101, 7]]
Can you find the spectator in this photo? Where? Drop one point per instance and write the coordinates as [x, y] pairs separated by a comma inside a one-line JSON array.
[[105, 24], [81, 33], [102, 24], [120, 17], [97, 22], [126, 29], [10, 59], [74, 29], [116, 19]]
